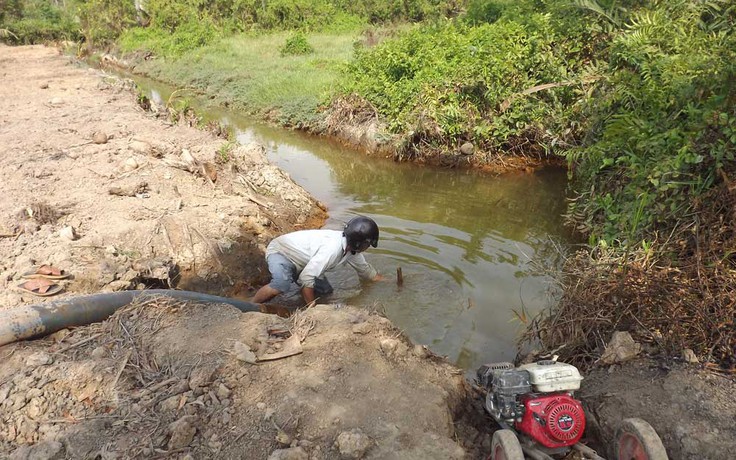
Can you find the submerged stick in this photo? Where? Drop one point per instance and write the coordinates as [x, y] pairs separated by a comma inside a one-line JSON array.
[[399, 277]]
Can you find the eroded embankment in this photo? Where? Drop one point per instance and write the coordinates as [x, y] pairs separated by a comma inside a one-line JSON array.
[[119, 198]]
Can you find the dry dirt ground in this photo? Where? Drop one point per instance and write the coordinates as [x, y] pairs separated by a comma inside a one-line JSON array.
[[177, 380]]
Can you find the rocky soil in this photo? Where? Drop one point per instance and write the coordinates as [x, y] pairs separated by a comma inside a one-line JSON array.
[[175, 380], [119, 198]]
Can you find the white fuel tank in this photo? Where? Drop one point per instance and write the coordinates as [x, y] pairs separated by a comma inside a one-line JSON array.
[[547, 376]]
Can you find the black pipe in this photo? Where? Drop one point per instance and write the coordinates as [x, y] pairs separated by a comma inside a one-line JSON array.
[[38, 320]]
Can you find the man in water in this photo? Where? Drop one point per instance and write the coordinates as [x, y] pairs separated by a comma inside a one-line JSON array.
[[304, 257]]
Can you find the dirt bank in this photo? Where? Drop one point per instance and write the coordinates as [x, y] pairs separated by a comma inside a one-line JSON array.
[[175, 380], [135, 212], [121, 198]]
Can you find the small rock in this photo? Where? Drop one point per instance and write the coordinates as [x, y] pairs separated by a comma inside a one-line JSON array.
[[4, 392], [223, 392], [130, 275], [98, 353], [141, 147], [40, 358], [243, 353], [420, 351], [58, 336], [467, 148], [44, 450], [292, 453], [56, 101], [118, 285], [182, 432], [689, 356], [389, 346], [202, 376], [283, 438], [353, 444], [362, 328], [68, 233], [208, 169], [170, 404], [44, 86], [622, 347], [130, 165], [99, 138]]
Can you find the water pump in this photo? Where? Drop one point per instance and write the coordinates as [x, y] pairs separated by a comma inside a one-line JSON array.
[[536, 400], [541, 419]]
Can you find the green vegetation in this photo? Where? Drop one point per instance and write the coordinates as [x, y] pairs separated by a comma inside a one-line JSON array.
[[36, 21], [295, 45], [662, 125], [449, 83]]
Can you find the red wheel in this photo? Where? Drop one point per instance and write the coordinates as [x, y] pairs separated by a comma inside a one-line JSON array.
[[505, 446], [637, 440]]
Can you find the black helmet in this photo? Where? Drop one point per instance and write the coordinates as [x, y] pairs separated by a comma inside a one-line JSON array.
[[361, 232]]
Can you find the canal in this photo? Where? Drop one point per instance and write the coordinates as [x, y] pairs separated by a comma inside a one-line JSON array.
[[469, 245]]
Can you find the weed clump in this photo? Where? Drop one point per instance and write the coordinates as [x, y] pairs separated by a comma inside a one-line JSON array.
[[296, 45]]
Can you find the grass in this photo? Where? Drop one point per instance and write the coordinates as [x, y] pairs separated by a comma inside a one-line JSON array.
[[249, 73]]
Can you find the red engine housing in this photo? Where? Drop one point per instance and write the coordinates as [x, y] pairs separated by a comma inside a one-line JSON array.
[[552, 419]]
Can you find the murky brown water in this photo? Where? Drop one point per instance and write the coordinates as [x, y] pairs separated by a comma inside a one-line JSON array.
[[463, 240]]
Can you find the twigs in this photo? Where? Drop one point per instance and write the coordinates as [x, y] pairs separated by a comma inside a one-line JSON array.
[[77, 344], [302, 324], [670, 307], [120, 371]]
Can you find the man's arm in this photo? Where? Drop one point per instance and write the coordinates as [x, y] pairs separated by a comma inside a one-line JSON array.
[[308, 294], [364, 269]]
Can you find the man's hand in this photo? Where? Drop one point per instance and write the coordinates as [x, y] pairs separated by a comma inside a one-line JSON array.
[[379, 277]]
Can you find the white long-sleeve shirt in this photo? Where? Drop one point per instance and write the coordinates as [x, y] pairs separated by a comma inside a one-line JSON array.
[[316, 251]]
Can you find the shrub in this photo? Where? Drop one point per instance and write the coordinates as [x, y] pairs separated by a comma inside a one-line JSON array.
[[295, 45], [103, 21], [452, 82], [663, 123]]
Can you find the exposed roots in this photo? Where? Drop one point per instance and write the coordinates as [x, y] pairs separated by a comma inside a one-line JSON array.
[[351, 110]]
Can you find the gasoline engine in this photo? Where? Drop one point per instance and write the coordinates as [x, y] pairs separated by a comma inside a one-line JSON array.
[[536, 400]]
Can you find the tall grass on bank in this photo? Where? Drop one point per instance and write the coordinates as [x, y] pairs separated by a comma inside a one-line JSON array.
[[250, 73]]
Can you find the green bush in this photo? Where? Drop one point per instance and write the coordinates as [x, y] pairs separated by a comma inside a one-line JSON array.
[[103, 21], [296, 45], [484, 11], [186, 37], [448, 83]]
